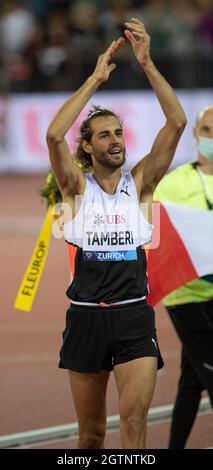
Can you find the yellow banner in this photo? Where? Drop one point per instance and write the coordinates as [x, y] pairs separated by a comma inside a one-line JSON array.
[[29, 285]]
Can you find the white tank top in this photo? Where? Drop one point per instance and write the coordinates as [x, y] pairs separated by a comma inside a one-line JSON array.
[[109, 227]]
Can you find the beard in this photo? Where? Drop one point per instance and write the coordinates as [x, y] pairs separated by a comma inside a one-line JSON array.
[[110, 161]]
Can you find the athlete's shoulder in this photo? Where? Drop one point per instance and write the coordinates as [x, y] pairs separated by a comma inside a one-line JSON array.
[[88, 176], [127, 176], [91, 184]]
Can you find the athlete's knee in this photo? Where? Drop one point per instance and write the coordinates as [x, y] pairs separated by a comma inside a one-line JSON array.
[[92, 439], [134, 422]]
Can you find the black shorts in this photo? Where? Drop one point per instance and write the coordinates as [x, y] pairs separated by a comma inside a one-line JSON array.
[[97, 338]]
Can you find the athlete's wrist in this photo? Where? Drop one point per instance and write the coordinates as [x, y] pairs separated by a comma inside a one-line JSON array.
[[94, 80]]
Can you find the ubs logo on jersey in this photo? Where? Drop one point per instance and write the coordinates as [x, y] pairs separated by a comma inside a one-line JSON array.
[[99, 219], [109, 219], [115, 219]]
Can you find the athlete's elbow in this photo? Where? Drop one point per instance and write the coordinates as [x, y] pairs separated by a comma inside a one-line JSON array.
[[180, 123], [53, 137], [177, 122]]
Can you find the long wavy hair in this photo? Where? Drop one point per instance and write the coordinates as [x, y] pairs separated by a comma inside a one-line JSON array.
[[83, 158]]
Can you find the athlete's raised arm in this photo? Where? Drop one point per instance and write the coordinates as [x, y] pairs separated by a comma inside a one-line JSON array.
[[149, 171], [70, 178]]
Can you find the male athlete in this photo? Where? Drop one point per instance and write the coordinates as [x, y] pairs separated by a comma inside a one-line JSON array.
[[109, 325]]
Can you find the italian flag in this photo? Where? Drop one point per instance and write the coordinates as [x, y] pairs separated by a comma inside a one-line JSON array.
[[185, 251]]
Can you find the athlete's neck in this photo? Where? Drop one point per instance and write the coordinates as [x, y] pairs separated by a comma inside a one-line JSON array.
[[205, 165], [107, 180]]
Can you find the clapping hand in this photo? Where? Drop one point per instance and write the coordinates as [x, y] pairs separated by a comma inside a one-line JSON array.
[[139, 40], [104, 68]]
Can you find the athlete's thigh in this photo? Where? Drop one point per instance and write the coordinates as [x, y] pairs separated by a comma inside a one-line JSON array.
[[89, 395], [136, 382]]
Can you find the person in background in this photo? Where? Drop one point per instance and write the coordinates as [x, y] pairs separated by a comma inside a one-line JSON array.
[[190, 307]]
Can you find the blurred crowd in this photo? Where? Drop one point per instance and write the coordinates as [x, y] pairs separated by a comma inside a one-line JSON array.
[[52, 45]]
